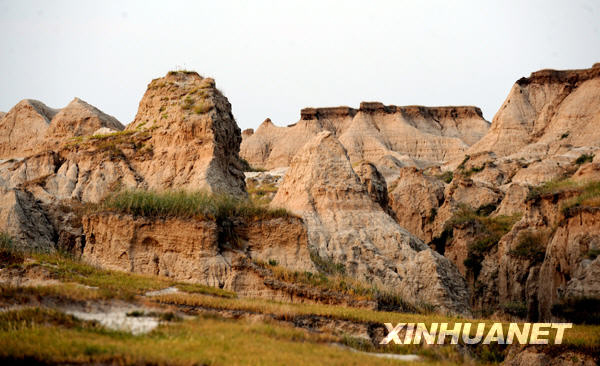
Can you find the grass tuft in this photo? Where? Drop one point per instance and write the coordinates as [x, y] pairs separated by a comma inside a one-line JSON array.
[[531, 246], [584, 158], [9, 253], [187, 205], [488, 232], [446, 176]]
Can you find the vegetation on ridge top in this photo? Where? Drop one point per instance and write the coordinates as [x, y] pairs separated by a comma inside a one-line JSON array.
[[187, 205]]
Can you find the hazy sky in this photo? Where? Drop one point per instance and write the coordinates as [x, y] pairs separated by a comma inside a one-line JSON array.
[[272, 58]]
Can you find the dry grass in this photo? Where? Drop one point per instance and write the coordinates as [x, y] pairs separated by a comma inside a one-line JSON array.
[[204, 339], [187, 205], [9, 253], [191, 342], [579, 335], [110, 135], [335, 280], [105, 283], [203, 106]]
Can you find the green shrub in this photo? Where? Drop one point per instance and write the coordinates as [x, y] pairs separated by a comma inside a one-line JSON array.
[[584, 158], [473, 170], [188, 103], [461, 166], [518, 309], [488, 232], [486, 210], [246, 167], [186, 205], [579, 310], [336, 280], [9, 253], [493, 353], [564, 135], [446, 176], [531, 246], [588, 195], [593, 253], [387, 301], [202, 107], [327, 265], [553, 187]]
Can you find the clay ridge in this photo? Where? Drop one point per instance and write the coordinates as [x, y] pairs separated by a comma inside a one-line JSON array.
[[549, 76]]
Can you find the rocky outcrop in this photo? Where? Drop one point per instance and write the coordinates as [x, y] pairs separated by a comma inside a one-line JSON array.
[[184, 137], [23, 127], [22, 217], [194, 137], [78, 118], [375, 183], [192, 250], [173, 143], [32, 127], [569, 270], [548, 113], [415, 199], [348, 229], [374, 132]]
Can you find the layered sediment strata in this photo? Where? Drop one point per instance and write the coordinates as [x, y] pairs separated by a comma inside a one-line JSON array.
[[346, 227], [413, 135], [548, 113]]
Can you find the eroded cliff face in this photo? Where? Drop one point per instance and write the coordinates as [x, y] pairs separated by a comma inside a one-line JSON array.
[[194, 137], [412, 135], [377, 187], [195, 251], [78, 118], [546, 114], [347, 227], [23, 127], [184, 137]]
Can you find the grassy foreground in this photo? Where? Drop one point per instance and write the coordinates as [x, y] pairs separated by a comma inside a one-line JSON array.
[[199, 341], [265, 335]]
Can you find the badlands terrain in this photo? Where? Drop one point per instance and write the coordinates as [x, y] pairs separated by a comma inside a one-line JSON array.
[[180, 239]]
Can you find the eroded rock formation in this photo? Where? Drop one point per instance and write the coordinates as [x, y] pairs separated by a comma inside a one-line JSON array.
[[412, 135], [184, 137], [546, 114], [194, 137], [346, 227], [23, 127]]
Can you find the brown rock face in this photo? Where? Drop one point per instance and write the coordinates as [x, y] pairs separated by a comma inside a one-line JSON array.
[[195, 138], [191, 250], [31, 127], [77, 119], [415, 199], [567, 270], [22, 217], [538, 356], [23, 128], [184, 137], [345, 226], [548, 112], [374, 132], [375, 183]]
